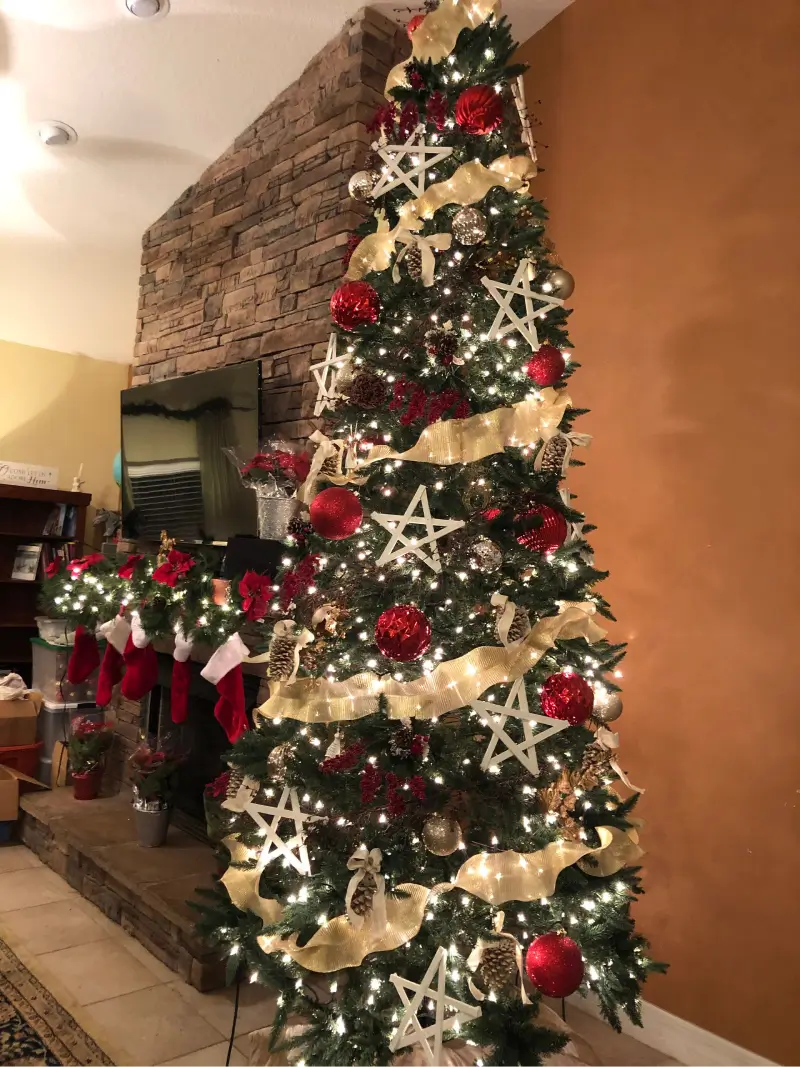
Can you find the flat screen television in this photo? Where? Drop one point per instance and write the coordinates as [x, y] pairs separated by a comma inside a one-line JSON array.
[[175, 473]]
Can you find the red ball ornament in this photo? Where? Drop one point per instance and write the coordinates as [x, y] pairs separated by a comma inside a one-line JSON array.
[[413, 24], [554, 965], [336, 513], [549, 536], [355, 304], [546, 366], [403, 633], [567, 696], [479, 110]]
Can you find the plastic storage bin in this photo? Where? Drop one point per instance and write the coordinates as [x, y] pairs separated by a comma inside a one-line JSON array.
[[54, 725], [54, 631], [50, 675], [22, 758]]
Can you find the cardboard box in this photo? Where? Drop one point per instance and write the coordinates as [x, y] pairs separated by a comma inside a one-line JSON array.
[[18, 720], [12, 783]]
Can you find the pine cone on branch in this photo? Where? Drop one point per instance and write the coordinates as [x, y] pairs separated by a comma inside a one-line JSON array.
[[498, 966], [361, 901], [281, 658]]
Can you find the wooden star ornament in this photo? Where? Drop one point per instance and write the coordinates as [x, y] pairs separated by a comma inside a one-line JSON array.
[[401, 545], [328, 374], [505, 295], [293, 850], [449, 1012], [515, 707], [420, 155]]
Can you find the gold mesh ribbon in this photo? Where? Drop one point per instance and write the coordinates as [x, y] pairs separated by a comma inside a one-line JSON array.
[[436, 36], [451, 685], [242, 884], [495, 878], [470, 183]]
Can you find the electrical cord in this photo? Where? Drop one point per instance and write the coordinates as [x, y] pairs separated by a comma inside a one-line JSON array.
[[233, 1024]]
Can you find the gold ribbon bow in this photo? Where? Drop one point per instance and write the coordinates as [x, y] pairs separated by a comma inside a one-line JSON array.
[[365, 862], [439, 241]]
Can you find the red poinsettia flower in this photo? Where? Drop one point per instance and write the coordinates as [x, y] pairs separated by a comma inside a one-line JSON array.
[[219, 787], [129, 566], [78, 566], [254, 590], [52, 569], [260, 462], [176, 565], [302, 465]]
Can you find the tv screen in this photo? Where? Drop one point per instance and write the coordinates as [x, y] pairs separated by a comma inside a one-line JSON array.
[[176, 475]]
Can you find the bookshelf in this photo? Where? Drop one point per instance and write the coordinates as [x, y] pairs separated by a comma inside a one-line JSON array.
[[24, 515]]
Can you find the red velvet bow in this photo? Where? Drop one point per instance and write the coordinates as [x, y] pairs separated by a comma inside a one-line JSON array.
[[52, 569], [254, 590], [78, 566], [129, 566], [177, 564]]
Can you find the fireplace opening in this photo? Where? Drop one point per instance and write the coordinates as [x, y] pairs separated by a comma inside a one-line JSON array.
[[199, 739]]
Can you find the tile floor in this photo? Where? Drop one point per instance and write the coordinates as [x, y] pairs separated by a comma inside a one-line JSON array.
[[134, 1006]]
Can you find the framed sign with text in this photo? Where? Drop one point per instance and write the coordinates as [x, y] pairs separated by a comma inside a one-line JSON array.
[[28, 474]]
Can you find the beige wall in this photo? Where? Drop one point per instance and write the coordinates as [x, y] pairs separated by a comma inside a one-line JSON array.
[[672, 175], [61, 410]]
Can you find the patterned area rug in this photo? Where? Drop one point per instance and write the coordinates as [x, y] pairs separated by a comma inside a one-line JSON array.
[[34, 1029]]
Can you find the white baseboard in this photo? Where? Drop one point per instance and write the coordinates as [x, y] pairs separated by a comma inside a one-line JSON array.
[[685, 1042]]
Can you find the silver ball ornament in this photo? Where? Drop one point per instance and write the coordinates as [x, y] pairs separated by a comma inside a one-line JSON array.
[[362, 183], [607, 708], [485, 555], [469, 226], [561, 283], [441, 834]]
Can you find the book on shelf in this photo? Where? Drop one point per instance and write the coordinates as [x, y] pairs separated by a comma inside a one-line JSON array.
[[54, 526], [26, 563], [70, 525]]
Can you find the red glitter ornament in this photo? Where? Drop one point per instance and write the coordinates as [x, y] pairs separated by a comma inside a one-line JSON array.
[[554, 965], [403, 633], [567, 696], [546, 366], [355, 304], [549, 536], [336, 513], [413, 24], [479, 110]]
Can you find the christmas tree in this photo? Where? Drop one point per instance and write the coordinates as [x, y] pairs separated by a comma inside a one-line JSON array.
[[426, 828]]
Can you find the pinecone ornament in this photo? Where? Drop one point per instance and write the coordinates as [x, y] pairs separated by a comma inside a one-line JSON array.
[[413, 260], [367, 390], [553, 455], [520, 626], [498, 966], [281, 658], [361, 901], [235, 779], [595, 765], [400, 742]]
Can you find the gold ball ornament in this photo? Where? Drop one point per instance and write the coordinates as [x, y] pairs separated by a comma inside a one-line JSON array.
[[485, 555], [441, 834], [469, 226], [362, 183], [561, 283], [607, 708], [276, 761]]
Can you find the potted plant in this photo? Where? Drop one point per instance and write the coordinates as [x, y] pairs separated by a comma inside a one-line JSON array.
[[154, 783], [89, 741]]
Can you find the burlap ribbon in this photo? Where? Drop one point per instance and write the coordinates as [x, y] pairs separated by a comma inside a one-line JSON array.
[[426, 245], [436, 36], [609, 740], [366, 862], [469, 184], [451, 685], [242, 884], [495, 878]]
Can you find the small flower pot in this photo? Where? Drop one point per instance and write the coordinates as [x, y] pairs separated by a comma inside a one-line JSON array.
[[220, 594], [86, 784], [152, 826]]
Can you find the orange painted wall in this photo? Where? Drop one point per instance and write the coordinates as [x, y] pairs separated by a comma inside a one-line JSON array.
[[672, 134]]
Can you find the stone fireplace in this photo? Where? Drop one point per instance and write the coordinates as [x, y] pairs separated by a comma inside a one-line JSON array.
[[240, 267]]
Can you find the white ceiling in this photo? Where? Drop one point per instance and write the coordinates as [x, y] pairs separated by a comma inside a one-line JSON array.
[[153, 102]]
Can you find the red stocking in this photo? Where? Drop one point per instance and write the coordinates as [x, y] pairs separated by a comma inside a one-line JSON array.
[[141, 670], [85, 656], [224, 670], [179, 696], [229, 709], [110, 675]]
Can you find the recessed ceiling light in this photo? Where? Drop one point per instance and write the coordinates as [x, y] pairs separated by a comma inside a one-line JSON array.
[[55, 134], [147, 9]]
